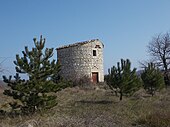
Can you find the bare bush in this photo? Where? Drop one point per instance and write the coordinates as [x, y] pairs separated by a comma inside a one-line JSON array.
[[83, 82]]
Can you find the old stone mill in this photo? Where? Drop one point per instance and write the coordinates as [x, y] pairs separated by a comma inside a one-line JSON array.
[[82, 59]]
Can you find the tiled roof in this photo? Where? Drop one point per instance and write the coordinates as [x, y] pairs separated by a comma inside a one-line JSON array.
[[78, 43]]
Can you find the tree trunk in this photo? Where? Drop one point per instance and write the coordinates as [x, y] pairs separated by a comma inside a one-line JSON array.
[[166, 77], [152, 91], [121, 95]]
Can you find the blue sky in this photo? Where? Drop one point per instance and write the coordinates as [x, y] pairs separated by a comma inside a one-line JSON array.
[[124, 26]]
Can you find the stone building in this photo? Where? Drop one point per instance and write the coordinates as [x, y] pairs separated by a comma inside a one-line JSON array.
[[82, 59]]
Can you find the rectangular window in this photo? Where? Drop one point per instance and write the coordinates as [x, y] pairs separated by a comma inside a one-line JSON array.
[[94, 53]]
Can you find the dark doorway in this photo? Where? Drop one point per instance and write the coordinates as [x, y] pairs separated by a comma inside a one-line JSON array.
[[95, 77]]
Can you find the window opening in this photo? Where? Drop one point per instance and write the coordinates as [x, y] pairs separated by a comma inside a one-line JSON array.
[[97, 46], [94, 53]]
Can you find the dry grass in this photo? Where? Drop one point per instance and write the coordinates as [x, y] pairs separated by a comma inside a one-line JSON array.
[[157, 113], [99, 108], [155, 119]]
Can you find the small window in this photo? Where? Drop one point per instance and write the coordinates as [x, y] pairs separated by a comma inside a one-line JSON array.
[[94, 53], [97, 46]]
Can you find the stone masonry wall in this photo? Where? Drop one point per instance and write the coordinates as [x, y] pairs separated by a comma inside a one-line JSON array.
[[78, 60]]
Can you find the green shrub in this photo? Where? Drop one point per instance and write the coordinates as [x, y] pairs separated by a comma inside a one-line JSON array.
[[34, 93], [121, 78], [152, 78]]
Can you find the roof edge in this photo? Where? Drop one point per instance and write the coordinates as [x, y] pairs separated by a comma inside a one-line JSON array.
[[78, 43]]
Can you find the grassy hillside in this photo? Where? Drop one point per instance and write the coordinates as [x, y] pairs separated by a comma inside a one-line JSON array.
[[99, 108]]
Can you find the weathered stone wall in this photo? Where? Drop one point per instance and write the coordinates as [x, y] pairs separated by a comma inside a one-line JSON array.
[[78, 60]]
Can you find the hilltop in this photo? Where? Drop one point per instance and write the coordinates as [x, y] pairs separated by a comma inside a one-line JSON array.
[[79, 107]]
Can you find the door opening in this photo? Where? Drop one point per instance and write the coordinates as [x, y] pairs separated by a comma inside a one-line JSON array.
[[95, 77]]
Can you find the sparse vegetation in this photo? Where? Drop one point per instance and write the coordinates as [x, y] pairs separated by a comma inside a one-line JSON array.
[[81, 108]]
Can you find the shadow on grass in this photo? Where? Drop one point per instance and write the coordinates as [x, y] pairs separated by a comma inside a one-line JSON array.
[[95, 102]]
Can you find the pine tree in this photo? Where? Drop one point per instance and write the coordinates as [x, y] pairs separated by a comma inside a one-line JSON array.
[[34, 93], [122, 78], [153, 79]]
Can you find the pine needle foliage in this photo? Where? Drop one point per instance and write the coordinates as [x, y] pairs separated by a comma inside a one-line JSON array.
[[153, 79], [123, 78], [35, 93]]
